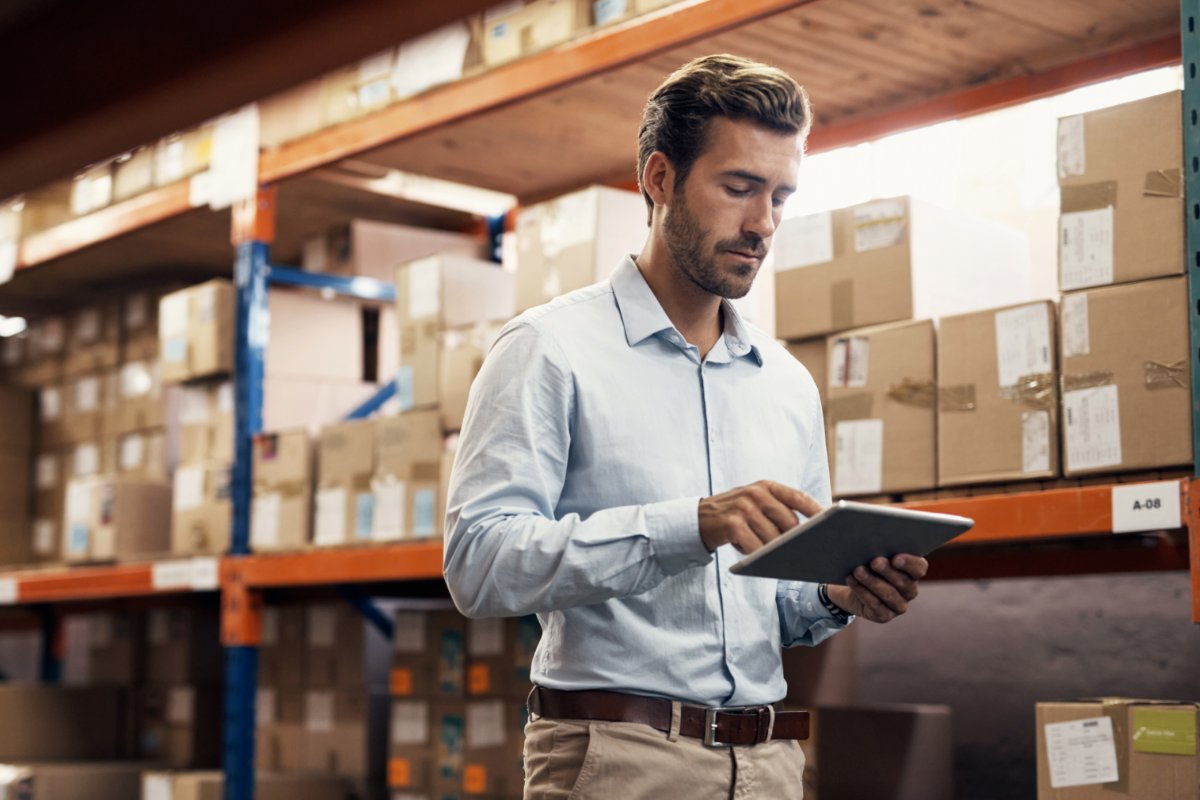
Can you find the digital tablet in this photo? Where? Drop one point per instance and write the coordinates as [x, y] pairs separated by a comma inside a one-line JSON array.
[[827, 547]]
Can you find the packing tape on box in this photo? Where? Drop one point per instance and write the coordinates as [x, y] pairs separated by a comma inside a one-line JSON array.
[[286, 489], [849, 406], [1166, 376], [956, 398], [1035, 391], [912, 392], [841, 304], [1163, 183], [1088, 197], [1075, 381]]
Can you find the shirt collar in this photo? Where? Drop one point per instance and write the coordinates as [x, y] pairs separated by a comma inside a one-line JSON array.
[[643, 316]]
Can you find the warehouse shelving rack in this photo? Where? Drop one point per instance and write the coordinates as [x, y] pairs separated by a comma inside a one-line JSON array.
[[898, 66]]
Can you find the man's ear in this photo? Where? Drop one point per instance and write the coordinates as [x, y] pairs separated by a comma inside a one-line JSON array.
[[658, 178]]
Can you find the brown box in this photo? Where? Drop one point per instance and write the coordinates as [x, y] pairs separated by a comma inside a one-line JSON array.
[[48, 723], [142, 454], [407, 482], [139, 324], [181, 155], [575, 240], [95, 781], [205, 423], [133, 173], [435, 294], [289, 115], [374, 249], [135, 398], [881, 424], [1126, 378], [17, 410], [460, 359], [1143, 749], [516, 32], [16, 543], [267, 786], [281, 516], [86, 404], [891, 260], [1121, 181], [116, 648], [812, 354], [346, 732], [500, 655], [180, 726], [50, 479], [998, 395], [112, 517], [182, 647], [311, 404], [93, 339], [282, 655], [492, 757], [429, 655], [201, 508], [345, 465], [314, 338], [52, 415], [278, 706], [344, 650], [281, 747], [195, 330], [449, 734]]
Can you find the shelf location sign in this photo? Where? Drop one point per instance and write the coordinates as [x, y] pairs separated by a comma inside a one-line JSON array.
[[1146, 507], [196, 574], [8, 591]]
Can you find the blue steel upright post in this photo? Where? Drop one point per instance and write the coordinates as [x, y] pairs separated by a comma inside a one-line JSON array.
[[1189, 19]]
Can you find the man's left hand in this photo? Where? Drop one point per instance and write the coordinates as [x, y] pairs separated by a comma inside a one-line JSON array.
[[882, 590]]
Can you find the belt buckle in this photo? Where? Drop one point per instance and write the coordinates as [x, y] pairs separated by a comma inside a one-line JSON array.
[[710, 722]]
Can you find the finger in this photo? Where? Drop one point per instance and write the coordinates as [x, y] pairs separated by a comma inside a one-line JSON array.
[[904, 583], [887, 594], [763, 528], [873, 607], [794, 498], [779, 513], [744, 540], [915, 566]]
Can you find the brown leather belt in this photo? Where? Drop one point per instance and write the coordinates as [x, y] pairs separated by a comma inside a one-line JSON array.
[[718, 727]]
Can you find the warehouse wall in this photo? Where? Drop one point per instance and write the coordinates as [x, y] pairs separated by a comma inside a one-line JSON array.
[[992, 649]]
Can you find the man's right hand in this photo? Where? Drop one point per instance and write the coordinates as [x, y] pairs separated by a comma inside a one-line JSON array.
[[750, 516]]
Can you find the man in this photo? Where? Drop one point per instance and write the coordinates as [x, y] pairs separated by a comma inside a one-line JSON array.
[[626, 442]]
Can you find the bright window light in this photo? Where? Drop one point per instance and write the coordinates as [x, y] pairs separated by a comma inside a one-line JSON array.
[[11, 326]]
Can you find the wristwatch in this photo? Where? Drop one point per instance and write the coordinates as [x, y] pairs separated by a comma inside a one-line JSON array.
[[839, 616]]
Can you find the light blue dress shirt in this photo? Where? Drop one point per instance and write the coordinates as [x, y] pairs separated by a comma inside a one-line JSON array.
[[591, 434]]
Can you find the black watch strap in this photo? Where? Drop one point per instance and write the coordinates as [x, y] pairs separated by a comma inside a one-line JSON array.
[[839, 616]]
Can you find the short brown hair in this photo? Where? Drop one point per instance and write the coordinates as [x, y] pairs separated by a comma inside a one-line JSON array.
[[675, 120]]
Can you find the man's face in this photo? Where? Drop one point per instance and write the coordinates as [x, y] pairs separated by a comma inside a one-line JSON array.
[[718, 225]]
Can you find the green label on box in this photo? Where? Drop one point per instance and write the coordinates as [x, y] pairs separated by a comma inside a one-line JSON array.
[[1157, 730]]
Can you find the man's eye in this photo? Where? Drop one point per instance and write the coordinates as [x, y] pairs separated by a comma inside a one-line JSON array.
[[778, 201], [736, 192]]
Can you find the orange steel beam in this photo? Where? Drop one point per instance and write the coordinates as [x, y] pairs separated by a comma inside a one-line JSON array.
[[1000, 94], [108, 223], [89, 583], [253, 219], [575, 61], [241, 607], [376, 564], [1092, 556], [1192, 507]]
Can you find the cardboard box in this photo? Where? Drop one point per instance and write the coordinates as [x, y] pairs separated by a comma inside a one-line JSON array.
[[183, 154], [1121, 182], [205, 423], [911, 747], [280, 747], [133, 173], [52, 413], [281, 516], [1126, 378], [89, 459], [345, 651], [35, 359], [112, 517], [431, 59], [499, 656], [195, 331], [278, 706], [267, 786], [46, 208], [576, 240], [880, 420], [812, 353], [114, 648], [16, 543], [1117, 747], [314, 338], [345, 465], [346, 733], [289, 115], [54, 723], [93, 339], [50, 477], [492, 757], [459, 361], [407, 481], [135, 396], [142, 454], [429, 655], [282, 655], [181, 647], [181, 725], [201, 508], [433, 295], [139, 324], [92, 189], [449, 734], [998, 395], [95, 781], [375, 249], [531, 28], [17, 410], [891, 260], [83, 414], [311, 404]]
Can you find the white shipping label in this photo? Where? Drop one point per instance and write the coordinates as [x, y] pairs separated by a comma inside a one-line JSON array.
[[424, 288], [318, 711], [87, 394], [193, 406], [1022, 343], [264, 708], [848, 362], [410, 722], [189, 488], [1072, 159], [156, 787], [87, 460], [8, 591], [485, 637], [1035, 441], [1146, 507], [390, 511], [205, 573], [1076, 336], [322, 626], [47, 471], [879, 224], [1081, 752], [270, 626], [137, 380], [485, 724], [858, 457], [180, 705], [45, 533], [137, 311], [165, 575], [330, 525], [1085, 249], [804, 241], [225, 398], [408, 632], [1093, 423], [173, 315], [133, 452], [50, 402], [159, 624], [264, 520]]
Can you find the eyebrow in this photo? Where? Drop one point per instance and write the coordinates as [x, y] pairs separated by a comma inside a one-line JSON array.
[[758, 179]]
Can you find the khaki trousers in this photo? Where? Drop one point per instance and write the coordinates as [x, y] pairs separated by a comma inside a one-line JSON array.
[[581, 760]]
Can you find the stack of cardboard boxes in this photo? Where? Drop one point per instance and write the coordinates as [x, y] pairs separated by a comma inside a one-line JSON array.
[[16, 446], [209, 785]]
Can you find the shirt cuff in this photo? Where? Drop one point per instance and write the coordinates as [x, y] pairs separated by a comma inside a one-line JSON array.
[[674, 528]]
